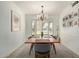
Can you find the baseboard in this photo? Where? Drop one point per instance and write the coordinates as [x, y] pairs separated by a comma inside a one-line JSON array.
[[69, 48], [6, 56]]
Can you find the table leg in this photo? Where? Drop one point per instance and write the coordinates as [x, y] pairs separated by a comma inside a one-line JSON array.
[[54, 48], [31, 49]]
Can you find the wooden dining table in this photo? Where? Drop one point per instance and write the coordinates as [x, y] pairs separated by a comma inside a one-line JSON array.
[[33, 41], [42, 40]]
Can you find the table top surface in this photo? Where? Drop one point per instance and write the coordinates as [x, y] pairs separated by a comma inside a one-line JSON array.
[[42, 40]]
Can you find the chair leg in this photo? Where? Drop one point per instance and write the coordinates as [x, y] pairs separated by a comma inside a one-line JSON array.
[[54, 48]]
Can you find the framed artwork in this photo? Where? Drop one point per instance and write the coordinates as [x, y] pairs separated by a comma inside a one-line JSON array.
[[70, 16], [78, 22], [70, 23], [66, 18], [72, 20], [64, 25], [75, 14], [75, 23], [15, 22], [64, 22], [63, 19], [78, 12]]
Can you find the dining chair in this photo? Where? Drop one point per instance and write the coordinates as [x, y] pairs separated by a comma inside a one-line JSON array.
[[42, 50]]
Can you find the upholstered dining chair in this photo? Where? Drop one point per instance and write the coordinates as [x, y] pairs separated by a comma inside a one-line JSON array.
[[42, 49]]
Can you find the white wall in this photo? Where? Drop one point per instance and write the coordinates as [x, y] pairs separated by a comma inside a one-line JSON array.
[[9, 41], [28, 24], [69, 35]]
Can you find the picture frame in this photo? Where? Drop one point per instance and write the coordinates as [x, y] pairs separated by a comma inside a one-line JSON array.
[[71, 19], [71, 23], [70, 16], [78, 12], [75, 14], [15, 22], [64, 20], [66, 17], [78, 22]]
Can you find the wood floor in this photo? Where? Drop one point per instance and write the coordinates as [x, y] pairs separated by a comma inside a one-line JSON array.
[[62, 52]]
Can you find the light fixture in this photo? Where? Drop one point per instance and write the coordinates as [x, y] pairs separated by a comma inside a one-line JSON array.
[[42, 14], [42, 18]]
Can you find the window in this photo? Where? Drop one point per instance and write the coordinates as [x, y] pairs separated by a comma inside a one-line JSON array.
[[38, 27], [45, 28], [33, 27], [50, 28]]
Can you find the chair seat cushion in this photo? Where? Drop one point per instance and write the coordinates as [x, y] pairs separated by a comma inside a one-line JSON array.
[[42, 47]]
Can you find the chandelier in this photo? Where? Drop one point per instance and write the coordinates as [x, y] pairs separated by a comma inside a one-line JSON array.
[[42, 16]]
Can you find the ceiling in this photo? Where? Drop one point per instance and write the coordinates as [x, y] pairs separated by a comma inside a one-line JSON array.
[[50, 7]]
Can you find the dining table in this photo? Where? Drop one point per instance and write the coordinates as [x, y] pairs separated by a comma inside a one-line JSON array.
[[49, 40]]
